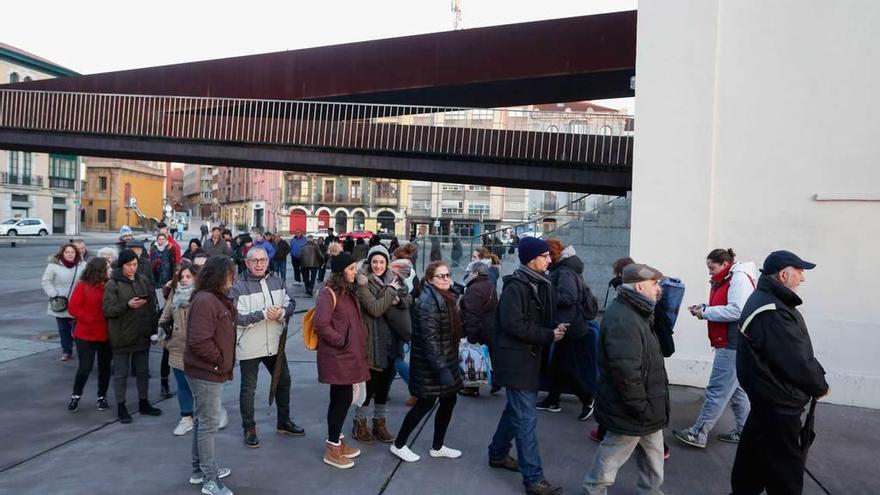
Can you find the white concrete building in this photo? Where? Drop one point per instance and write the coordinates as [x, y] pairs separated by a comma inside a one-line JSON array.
[[800, 174]]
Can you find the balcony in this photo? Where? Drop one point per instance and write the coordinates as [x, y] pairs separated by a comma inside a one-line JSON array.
[[62, 183], [385, 201], [21, 180]]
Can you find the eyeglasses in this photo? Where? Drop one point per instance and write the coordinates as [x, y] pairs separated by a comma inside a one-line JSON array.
[[259, 261], [443, 276]]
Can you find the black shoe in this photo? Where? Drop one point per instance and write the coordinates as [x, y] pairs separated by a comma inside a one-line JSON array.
[[508, 463], [250, 438], [586, 412], [73, 405], [495, 389], [290, 428], [543, 487], [146, 409], [102, 404], [122, 412], [469, 392], [545, 405], [166, 391]]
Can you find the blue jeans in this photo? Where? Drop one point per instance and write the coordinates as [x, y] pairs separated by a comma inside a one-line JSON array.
[[519, 421], [280, 267], [184, 394], [65, 333], [723, 387], [401, 365], [208, 410]]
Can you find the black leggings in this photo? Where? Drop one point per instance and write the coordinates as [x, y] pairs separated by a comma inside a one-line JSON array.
[[164, 368], [379, 385], [441, 419], [86, 351], [340, 402]]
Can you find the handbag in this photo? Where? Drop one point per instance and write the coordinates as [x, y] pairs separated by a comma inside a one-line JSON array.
[[58, 304]]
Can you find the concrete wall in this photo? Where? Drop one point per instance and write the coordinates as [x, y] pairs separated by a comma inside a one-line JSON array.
[[747, 111]]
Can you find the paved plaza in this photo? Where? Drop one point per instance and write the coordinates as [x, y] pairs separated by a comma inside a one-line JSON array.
[[46, 450]]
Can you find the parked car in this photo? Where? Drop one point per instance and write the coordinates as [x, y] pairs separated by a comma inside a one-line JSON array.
[[318, 234], [24, 226], [361, 234]]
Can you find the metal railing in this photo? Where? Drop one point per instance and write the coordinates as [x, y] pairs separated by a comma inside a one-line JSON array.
[[7, 178], [576, 138]]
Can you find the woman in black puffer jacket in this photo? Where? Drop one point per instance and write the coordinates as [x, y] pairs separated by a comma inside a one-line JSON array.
[[434, 372]]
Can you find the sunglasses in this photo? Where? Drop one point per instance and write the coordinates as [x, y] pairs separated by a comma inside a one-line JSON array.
[[443, 276]]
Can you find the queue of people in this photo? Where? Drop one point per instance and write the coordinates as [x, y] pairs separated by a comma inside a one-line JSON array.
[[225, 300]]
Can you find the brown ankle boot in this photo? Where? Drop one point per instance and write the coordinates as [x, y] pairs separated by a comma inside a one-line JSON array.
[[360, 431], [333, 456], [347, 450], [380, 432]]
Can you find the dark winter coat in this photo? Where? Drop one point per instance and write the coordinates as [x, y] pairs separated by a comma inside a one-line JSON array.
[[524, 325], [282, 249], [162, 265], [210, 338], [775, 363], [221, 248], [577, 352], [478, 307], [434, 351], [342, 343], [632, 397], [310, 255], [436, 254], [129, 329]]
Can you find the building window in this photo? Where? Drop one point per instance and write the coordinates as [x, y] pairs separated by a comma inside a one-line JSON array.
[[59, 201], [62, 172], [102, 183], [355, 190], [477, 188], [450, 206], [13, 166], [386, 188], [328, 189], [14, 77], [450, 187], [579, 204], [549, 201], [20, 198], [102, 216], [27, 167], [421, 204], [475, 208]]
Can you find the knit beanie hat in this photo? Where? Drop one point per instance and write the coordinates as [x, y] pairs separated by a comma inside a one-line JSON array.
[[124, 230], [125, 256], [380, 250], [341, 262], [530, 248]]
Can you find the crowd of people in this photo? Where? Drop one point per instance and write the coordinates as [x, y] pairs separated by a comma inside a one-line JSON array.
[[226, 299]]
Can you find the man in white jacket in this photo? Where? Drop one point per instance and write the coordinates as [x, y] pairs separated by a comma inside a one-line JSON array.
[[263, 307], [731, 285]]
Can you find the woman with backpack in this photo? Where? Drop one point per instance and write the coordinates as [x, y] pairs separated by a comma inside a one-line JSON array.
[[384, 309], [478, 307], [573, 362], [342, 353], [434, 371], [731, 285]]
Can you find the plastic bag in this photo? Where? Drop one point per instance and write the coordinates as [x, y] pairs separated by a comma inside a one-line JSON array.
[[474, 363]]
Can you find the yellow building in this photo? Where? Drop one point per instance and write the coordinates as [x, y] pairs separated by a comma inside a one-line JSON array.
[[114, 185]]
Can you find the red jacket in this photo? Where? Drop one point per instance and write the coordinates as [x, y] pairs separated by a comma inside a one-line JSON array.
[[87, 307], [342, 341]]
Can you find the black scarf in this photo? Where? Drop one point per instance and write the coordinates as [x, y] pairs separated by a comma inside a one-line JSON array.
[[636, 300]]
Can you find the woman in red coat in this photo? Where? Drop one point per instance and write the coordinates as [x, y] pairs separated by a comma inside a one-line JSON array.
[[90, 334], [342, 353]]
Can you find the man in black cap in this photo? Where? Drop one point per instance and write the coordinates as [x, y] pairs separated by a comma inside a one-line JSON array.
[[777, 369], [632, 399]]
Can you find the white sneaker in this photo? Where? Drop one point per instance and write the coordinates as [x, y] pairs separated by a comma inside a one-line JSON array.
[[198, 479], [224, 419], [184, 427], [213, 488], [445, 452], [405, 453]]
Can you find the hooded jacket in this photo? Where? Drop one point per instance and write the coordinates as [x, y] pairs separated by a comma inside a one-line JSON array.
[[129, 329], [210, 342], [524, 325], [58, 280], [433, 347], [775, 363], [257, 336], [632, 396], [342, 348], [478, 307], [572, 294], [87, 306]]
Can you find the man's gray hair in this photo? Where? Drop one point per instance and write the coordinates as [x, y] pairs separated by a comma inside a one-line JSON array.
[[252, 252]]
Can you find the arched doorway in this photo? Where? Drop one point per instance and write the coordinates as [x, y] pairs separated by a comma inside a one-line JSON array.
[[385, 221], [323, 219], [297, 220], [341, 222], [358, 221]]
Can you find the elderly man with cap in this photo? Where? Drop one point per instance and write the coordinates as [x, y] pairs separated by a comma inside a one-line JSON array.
[[525, 324], [632, 399], [777, 369]]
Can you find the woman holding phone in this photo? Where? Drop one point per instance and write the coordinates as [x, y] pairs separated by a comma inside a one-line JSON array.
[[130, 309]]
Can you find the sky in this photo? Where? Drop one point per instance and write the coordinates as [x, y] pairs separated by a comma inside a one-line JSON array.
[[103, 35]]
